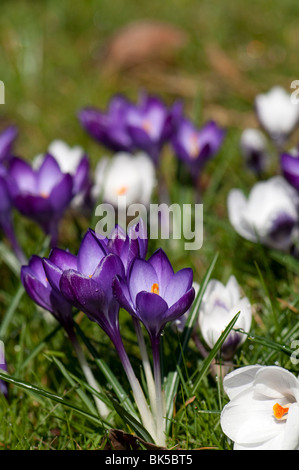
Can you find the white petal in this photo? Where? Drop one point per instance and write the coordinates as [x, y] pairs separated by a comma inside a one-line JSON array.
[[240, 379], [237, 209], [291, 436]]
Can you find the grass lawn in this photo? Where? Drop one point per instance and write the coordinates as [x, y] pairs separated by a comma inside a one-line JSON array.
[[53, 62]]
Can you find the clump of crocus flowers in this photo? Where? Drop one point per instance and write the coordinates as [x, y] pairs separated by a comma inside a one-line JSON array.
[[106, 274]]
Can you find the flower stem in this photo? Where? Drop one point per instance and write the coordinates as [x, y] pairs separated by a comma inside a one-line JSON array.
[[146, 416], [160, 411], [101, 406], [146, 365]]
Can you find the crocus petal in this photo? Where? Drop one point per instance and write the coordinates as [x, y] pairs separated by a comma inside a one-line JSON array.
[[181, 305], [291, 435], [151, 309], [63, 259], [53, 274], [122, 294], [90, 253], [61, 193], [239, 380], [178, 285], [22, 173], [236, 206], [142, 277], [164, 271], [48, 174]]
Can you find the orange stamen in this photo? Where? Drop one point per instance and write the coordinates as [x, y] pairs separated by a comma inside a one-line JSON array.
[[44, 195], [194, 147], [146, 126], [155, 288], [279, 411], [121, 191]]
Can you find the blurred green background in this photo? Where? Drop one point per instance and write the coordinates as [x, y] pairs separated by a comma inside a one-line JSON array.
[[54, 60]]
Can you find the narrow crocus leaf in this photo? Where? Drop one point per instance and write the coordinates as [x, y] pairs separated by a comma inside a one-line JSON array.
[[207, 362]]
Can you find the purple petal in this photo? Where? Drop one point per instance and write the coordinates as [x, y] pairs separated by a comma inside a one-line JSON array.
[[142, 277], [290, 169], [110, 266], [122, 294], [53, 274], [24, 178], [49, 174], [81, 176], [61, 193], [7, 138], [36, 290], [181, 306], [90, 254], [63, 259], [82, 291], [151, 309], [178, 285], [163, 269]]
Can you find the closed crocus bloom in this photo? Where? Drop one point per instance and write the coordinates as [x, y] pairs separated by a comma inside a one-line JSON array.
[[43, 194], [276, 113], [127, 179], [263, 412], [254, 150], [269, 216], [153, 293], [109, 127], [38, 287], [219, 305], [195, 146]]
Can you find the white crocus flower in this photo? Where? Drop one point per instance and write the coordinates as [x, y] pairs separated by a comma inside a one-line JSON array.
[[263, 412], [219, 305], [125, 179], [254, 149], [268, 216], [276, 113]]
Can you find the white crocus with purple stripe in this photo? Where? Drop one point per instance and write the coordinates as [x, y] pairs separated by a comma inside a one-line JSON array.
[[268, 216]]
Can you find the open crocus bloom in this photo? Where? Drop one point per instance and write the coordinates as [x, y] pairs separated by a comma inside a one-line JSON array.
[[276, 113], [263, 412], [219, 305], [254, 149], [153, 293], [150, 124], [268, 216], [196, 146], [43, 194], [127, 179]]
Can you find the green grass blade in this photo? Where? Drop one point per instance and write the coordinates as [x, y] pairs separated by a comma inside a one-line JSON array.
[[208, 360]]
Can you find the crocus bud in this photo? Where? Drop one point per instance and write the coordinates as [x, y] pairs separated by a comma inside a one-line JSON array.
[[219, 305]]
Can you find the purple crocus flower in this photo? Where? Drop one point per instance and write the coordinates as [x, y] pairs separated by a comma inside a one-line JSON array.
[[86, 281], [7, 138], [196, 146], [290, 167], [42, 194], [153, 293], [128, 245], [108, 128], [38, 287], [150, 124]]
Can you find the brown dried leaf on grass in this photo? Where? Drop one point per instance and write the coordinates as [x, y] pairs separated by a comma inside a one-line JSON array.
[[140, 42]]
